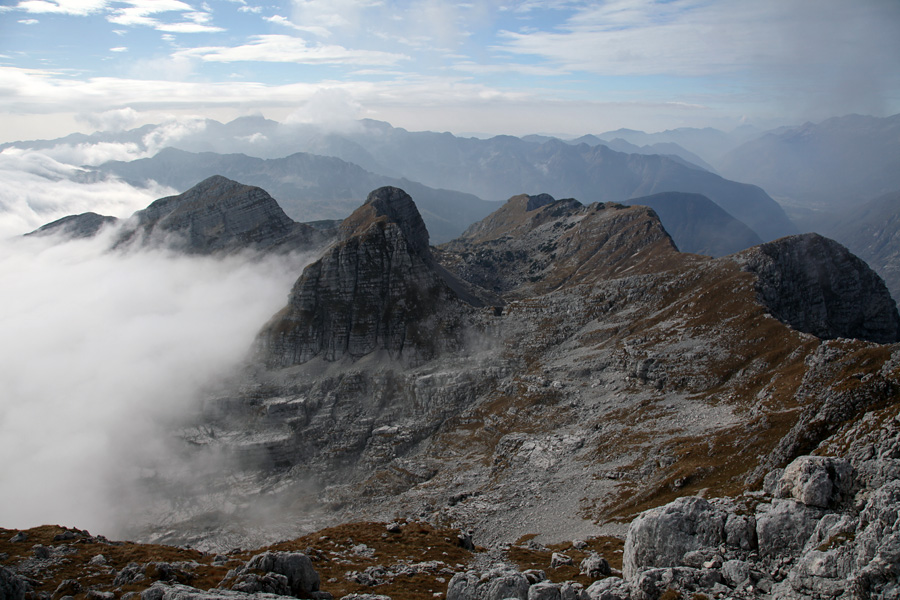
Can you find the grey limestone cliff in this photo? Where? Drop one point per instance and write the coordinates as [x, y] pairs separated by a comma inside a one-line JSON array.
[[377, 289], [817, 286]]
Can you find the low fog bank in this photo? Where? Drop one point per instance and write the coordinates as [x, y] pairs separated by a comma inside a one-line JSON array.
[[101, 354], [38, 189]]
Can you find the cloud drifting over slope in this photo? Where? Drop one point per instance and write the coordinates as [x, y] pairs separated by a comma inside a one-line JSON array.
[[97, 351]]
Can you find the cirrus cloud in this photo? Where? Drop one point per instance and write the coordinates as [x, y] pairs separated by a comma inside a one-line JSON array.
[[289, 49]]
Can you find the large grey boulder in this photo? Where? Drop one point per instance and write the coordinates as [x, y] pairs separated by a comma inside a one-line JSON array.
[[595, 566], [496, 584], [284, 573], [611, 588], [652, 583], [660, 537], [163, 591], [784, 527], [822, 481], [546, 590]]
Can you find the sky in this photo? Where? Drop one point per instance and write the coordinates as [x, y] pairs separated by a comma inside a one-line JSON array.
[[483, 66]]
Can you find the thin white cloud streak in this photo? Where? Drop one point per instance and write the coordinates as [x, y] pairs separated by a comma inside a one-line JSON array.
[[288, 49], [284, 21], [66, 7], [99, 354], [36, 91]]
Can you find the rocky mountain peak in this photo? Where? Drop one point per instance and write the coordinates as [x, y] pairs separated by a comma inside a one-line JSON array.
[[519, 250], [539, 201], [817, 286], [376, 289], [216, 215], [389, 205], [84, 225]]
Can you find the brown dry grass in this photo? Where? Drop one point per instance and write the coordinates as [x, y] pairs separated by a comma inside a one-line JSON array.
[[329, 550]]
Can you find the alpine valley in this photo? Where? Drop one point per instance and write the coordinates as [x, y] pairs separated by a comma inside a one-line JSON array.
[[637, 380]]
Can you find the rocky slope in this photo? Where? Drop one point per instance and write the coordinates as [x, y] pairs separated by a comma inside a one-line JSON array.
[[614, 376], [615, 373]]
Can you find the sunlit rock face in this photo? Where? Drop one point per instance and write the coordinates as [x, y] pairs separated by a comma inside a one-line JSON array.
[[377, 289], [817, 286], [218, 215]]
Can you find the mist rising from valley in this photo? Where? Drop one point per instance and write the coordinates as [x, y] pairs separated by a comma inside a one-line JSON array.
[[101, 354]]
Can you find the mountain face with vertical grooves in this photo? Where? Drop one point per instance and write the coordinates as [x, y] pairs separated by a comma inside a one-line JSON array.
[[219, 215], [377, 289]]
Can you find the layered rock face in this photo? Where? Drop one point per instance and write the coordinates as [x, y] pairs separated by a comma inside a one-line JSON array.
[[218, 215], [377, 289], [817, 286]]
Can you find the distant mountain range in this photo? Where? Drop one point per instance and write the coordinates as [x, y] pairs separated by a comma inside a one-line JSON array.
[[322, 174], [822, 165], [307, 187], [872, 232], [698, 225]]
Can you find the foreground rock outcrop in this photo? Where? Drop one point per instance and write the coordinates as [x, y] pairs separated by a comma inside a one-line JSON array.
[[786, 545]]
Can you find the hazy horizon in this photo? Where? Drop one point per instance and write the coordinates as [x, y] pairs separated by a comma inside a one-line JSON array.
[[490, 66]]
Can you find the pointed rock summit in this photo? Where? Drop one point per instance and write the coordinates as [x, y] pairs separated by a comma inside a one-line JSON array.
[[390, 205], [377, 289]]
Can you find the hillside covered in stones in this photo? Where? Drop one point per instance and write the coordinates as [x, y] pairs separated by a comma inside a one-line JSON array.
[[602, 415]]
